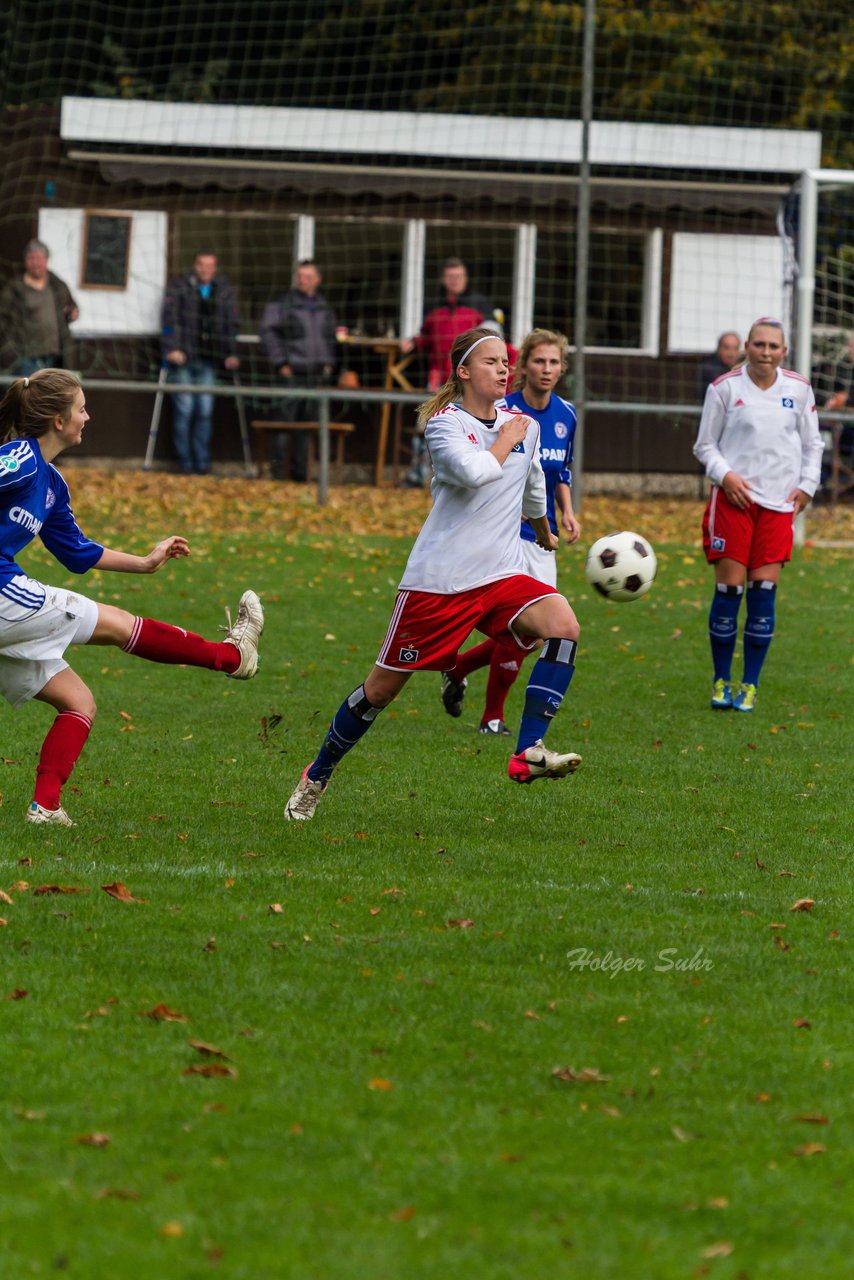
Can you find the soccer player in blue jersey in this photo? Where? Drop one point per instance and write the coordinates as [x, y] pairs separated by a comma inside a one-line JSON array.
[[541, 364], [40, 417]]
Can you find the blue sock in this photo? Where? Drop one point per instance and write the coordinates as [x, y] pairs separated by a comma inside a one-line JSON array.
[[351, 722], [549, 681], [758, 627], [723, 628]]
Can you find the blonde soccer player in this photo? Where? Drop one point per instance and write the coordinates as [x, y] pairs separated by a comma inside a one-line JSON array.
[[40, 417], [760, 444], [540, 365], [466, 571]]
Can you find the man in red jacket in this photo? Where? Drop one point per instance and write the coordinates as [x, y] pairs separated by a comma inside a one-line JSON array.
[[456, 309]]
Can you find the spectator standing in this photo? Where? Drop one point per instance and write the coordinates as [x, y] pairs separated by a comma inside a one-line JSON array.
[[198, 335], [760, 445], [36, 309], [298, 337], [456, 309], [833, 381], [723, 358]]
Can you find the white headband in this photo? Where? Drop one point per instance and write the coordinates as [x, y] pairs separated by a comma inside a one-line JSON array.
[[486, 337]]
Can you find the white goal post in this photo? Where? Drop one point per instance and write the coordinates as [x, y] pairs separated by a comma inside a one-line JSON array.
[[812, 184]]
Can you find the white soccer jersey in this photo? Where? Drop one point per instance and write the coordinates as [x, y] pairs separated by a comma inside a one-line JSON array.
[[770, 438], [471, 535]]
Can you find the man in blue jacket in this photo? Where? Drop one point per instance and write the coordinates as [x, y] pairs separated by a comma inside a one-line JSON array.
[[298, 337], [198, 337]]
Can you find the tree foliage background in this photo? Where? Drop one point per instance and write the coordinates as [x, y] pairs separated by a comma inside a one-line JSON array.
[[714, 62]]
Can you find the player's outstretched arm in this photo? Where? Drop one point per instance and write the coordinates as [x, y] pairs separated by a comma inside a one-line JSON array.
[[122, 562]]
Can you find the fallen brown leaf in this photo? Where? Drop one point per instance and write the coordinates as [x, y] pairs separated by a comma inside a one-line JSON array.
[[94, 1139], [58, 888], [4, 897], [162, 1013], [402, 1215], [720, 1249], [812, 1119], [803, 1024], [810, 1149], [463, 923], [18, 994], [587, 1075], [803, 904], [381, 1086], [121, 892], [211, 1069], [208, 1050]]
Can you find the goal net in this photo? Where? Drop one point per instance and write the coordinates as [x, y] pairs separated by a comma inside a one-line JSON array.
[[382, 141]]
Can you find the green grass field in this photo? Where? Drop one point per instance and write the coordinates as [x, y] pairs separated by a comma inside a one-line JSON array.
[[456, 1027]]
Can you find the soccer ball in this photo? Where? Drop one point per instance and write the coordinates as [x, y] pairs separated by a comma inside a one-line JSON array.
[[621, 566]]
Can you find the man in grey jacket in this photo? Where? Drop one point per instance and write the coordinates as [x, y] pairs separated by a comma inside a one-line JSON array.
[[36, 309], [298, 337]]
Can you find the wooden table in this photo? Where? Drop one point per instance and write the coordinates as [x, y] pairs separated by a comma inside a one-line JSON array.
[[395, 364]]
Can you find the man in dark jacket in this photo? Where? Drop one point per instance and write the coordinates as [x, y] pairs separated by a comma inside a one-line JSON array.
[[198, 336], [36, 309], [456, 309], [722, 360], [298, 337]]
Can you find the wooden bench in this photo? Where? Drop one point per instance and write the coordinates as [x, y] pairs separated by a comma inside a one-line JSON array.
[[338, 430]]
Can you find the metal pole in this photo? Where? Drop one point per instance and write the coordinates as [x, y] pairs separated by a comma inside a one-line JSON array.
[[323, 452], [244, 429], [582, 248], [155, 420]]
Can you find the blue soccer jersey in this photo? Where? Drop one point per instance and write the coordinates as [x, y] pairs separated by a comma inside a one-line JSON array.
[[34, 500], [557, 436]]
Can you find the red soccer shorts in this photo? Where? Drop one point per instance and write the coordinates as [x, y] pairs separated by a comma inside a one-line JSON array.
[[427, 630], [753, 536]]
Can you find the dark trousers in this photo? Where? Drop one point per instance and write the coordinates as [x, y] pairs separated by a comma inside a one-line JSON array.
[[296, 442]]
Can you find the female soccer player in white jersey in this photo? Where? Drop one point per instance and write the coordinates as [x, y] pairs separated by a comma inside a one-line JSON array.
[[466, 570], [760, 445], [541, 364], [40, 417]]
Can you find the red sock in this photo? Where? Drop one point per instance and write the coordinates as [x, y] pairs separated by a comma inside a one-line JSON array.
[[65, 739], [473, 659], [504, 667], [161, 642]]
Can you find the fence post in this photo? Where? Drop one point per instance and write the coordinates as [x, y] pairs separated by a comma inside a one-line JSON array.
[[323, 452]]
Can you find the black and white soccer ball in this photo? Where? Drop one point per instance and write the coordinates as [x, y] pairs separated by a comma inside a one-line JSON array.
[[621, 566]]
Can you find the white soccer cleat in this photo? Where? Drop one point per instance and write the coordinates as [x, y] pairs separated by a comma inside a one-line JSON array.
[[245, 633], [59, 818], [538, 762], [305, 798]]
